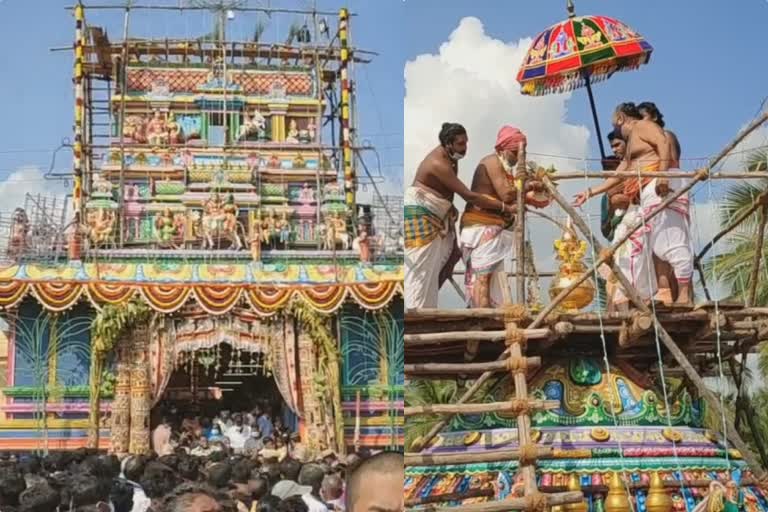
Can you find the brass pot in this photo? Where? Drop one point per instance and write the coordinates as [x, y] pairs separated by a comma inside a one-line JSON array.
[[581, 296]]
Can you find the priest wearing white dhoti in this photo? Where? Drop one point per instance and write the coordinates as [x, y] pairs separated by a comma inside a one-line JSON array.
[[429, 217]]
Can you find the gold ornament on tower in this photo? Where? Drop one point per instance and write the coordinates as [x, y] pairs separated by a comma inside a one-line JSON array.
[[658, 500], [570, 251], [617, 499], [575, 485]]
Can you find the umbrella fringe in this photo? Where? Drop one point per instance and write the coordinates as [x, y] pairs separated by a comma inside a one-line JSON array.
[[578, 79]]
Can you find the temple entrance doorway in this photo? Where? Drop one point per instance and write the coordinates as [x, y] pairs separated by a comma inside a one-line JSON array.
[[207, 381]]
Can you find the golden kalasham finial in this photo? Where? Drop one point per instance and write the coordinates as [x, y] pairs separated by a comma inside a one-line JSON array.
[[570, 251]]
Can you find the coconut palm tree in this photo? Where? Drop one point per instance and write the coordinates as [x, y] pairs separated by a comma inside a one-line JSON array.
[[733, 266], [419, 392]]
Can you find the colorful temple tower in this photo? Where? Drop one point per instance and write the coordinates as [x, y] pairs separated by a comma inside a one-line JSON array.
[[533, 407], [215, 249]]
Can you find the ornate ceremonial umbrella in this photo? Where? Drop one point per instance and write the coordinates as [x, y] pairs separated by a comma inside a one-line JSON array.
[[578, 52]]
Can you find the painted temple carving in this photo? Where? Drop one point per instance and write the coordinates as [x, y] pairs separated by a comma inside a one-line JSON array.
[[219, 205]]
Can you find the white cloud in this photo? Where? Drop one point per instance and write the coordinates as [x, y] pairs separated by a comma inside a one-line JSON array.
[[738, 157], [27, 180], [472, 81]]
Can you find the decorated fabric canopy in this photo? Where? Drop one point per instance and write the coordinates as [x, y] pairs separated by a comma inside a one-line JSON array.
[[564, 55], [217, 288], [578, 52]]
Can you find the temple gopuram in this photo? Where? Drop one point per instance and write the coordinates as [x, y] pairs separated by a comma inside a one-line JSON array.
[[216, 248]]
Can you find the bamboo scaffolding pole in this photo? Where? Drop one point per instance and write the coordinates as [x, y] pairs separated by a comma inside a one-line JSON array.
[[561, 176], [522, 175], [669, 343], [181, 8], [512, 405], [123, 87], [755, 276], [452, 496], [730, 227], [523, 419], [433, 459], [527, 503], [465, 368], [444, 337]]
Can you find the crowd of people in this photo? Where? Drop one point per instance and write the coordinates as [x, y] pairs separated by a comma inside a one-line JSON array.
[[254, 433], [657, 258], [220, 481]]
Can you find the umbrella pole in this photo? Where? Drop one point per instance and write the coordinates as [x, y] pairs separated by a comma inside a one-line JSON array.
[[594, 115]]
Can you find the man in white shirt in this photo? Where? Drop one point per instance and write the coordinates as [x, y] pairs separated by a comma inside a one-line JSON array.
[[312, 475], [238, 434]]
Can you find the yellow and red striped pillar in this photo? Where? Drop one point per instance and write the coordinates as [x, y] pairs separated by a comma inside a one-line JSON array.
[[77, 149], [346, 146]]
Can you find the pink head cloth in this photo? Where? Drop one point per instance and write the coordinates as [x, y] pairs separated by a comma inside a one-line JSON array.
[[509, 138]]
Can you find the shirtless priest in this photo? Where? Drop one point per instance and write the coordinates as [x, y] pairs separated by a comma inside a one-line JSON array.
[[667, 235], [430, 233]]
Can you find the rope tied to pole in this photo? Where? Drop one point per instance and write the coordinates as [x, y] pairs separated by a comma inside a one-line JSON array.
[[519, 406], [515, 313], [528, 454], [517, 364], [514, 335], [537, 502]]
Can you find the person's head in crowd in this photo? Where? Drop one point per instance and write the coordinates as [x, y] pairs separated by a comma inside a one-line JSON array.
[[290, 468], [121, 496], [312, 475], [268, 503], [218, 456], [133, 467], [203, 443], [352, 461], [241, 471], [272, 472], [84, 489], [158, 480], [332, 488], [328, 457], [39, 498], [269, 443], [197, 498], [219, 475], [172, 461], [57, 461], [189, 468], [12, 484], [293, 504], [376, 484], [238, 420], [30, 465], [258, 487]]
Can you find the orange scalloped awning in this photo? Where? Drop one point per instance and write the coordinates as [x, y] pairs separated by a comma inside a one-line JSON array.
[[215, 299]]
